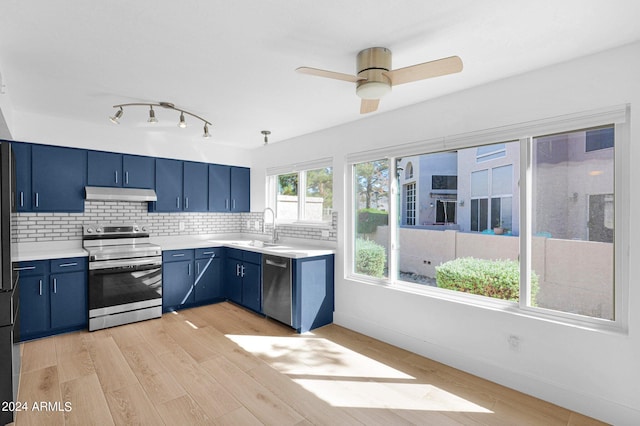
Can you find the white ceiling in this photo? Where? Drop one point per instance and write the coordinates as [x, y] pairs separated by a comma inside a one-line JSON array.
[[233, 62]]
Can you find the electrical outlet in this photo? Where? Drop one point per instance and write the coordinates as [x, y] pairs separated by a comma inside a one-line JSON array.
[[514, 342], [324, 233], [248, 224], [256, 225], [181, 226]]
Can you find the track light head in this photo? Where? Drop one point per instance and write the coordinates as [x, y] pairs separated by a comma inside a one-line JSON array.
[[152, 116], [115, 118], [182, 124], [206, 131], [266, 134]]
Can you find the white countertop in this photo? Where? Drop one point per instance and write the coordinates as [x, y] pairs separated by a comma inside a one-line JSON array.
[[292, 248]]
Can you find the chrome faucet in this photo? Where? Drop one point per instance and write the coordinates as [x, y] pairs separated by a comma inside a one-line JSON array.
[[274, 233]]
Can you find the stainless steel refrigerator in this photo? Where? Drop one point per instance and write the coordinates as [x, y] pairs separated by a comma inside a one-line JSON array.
[[9, 295]]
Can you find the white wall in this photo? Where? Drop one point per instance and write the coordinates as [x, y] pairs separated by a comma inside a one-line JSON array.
[[591, 372], [184, 144]]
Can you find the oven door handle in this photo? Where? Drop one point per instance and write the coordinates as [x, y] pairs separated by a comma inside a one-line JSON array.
[[119, 263]]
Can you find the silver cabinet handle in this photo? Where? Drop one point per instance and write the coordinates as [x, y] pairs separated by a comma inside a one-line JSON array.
[[55, 285], [40, 283], [242, 271], [37, 200], [226, 203], [186, 202], [233, 205], [116, 173], [209, 252], [178, 202], [24, 268], [21, 199], [126, 178], [178, 255], [237, 269], [66, 265], [189, 269], [197, 269]]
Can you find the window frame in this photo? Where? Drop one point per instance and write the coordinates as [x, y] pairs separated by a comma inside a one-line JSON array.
[[618, 116]]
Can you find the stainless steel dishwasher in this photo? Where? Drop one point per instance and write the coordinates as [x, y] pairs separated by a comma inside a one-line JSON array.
[[276, 288]]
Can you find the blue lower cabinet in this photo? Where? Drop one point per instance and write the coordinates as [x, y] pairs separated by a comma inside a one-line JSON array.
[[53, 296], [191, 277], [243, 278], [313, 292]]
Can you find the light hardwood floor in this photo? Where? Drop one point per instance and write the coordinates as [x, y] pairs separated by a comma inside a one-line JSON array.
[[220, 364]]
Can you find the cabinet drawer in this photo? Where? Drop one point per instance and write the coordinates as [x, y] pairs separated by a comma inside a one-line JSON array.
[[31, 267], [206, 253], [233, 253], [177, 255], [252, 257], [69, 264]]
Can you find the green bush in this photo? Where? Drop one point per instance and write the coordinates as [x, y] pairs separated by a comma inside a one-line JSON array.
[[370, 258], [493, 278], [370, 219]]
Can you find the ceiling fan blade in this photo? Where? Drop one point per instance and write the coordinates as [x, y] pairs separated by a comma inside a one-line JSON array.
[[369, 105], [444, 66], [329, 74]]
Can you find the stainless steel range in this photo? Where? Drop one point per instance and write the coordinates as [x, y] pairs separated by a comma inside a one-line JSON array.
[[125, 274]]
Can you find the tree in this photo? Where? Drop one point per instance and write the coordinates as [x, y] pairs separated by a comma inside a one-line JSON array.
[[372, 179], [288, 184], [320, 184]]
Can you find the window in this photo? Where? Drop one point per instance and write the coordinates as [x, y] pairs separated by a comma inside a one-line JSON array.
[[303, 196], [410, 197], [555, 261], [371, 195]]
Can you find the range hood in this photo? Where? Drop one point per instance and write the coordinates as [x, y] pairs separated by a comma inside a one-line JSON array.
[[119, 194]]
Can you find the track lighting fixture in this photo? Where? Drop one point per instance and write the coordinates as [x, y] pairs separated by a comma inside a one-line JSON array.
[[115, 119], [266, 134], [152, 114]]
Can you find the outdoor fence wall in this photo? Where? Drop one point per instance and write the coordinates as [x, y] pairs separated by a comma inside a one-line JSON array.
[[574, 276]]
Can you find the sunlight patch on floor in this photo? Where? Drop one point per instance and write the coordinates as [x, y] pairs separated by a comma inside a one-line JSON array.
[[344, 378], [400, 396], [314, 356]]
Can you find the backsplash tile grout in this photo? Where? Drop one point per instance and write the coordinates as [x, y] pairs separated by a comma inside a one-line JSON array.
[[35, 227]]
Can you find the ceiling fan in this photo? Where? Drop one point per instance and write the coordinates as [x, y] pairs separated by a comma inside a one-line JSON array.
[[375, 77]]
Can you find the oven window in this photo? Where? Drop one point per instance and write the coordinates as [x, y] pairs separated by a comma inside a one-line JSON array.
[[112, 287]]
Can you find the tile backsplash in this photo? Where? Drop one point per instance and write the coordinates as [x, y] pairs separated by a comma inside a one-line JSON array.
[[34, 227]]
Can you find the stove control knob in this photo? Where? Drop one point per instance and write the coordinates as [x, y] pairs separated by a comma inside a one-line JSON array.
[[136, 229], [98, 230], [144, 229], [89, 230]]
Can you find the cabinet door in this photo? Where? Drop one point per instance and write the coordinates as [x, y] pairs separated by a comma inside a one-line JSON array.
[[251, 283], [219, 188], [177, 284], [233, 281], [68, 299], [208, 283], [58, 177], [240, 189], [34, 305], [168, 185], [139, 171], [104, 169], [22, 155], [195, 186]]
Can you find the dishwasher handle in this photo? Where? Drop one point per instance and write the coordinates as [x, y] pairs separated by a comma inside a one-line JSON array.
[[279, 265]]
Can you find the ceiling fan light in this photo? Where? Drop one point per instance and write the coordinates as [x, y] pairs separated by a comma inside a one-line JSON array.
[[373, 89], [206, 131], [152, 116], [116, 117], [182, 124]]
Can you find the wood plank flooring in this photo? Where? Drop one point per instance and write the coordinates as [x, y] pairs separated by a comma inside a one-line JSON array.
[[220, 365]]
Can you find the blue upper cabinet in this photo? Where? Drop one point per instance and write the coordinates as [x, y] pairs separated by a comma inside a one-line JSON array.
[[138, 171], [195, 186], [168, 185], [105, 169], [58, 177], [240, 189], [22, 155], [120, 170], [219, 188]]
